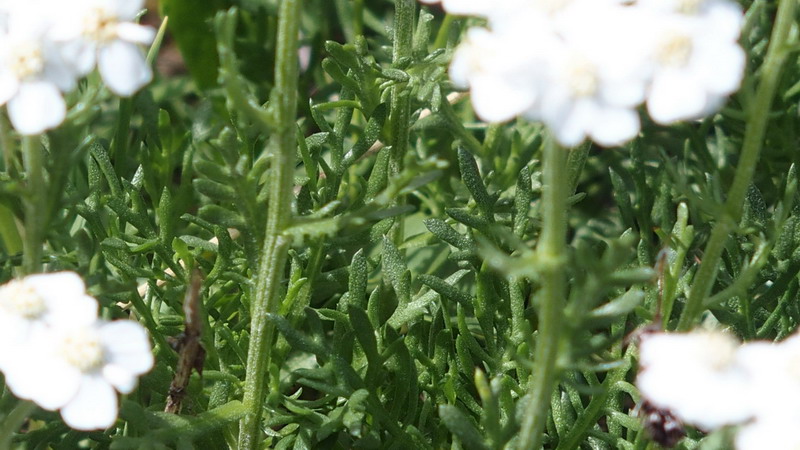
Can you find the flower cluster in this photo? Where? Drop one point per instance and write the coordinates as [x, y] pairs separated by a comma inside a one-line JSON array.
[[709, 380], [583, 67], [47, 45], [56, 352]]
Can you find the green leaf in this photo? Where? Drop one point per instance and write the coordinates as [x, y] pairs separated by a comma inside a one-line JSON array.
[[460, 425], [395, 271], [618, 307], [472, 179], [410, 311]]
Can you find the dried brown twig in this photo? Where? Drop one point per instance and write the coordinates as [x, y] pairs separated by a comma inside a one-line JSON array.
[[191, 353]]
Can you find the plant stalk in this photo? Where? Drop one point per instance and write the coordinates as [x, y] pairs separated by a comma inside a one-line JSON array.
[[266, 296], [550, 255], [34, 205], [755, 129], [400, 107], [399, 111]]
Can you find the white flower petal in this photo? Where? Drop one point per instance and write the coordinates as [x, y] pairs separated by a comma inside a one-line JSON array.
[[570, 130], [81, 55], [675, 96], [123, 68], [614, 126], [722, 69], [127, 346], [495, 100], [38, 106], [135, 33], [8, 86], [64, 293], [94, 407], [55, 286], [121, 378], [42, 378]]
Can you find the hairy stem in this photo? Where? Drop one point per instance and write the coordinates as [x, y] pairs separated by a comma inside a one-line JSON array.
[[266, 297], [35, 201], [551, 262], [400, 108], [757, 120]]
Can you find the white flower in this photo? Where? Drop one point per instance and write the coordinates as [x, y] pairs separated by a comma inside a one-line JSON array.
[[466, 7], [584, 66], [32, 72], [697, 63], [595, 76], [777, 434], [78, 367], [501, 77], [774, 369], [57, 353], [102, 33], [695, 376], [32, 304]]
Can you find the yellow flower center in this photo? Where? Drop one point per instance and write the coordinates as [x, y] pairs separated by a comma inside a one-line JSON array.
[[689, 6], [581, 77], [26, 60], [100, 26], [82, 349], [19, 299], [675, 49]]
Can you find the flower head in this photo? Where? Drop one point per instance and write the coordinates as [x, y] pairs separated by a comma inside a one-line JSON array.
[[583, 67], [694, 375], [36, 302], [32, 71], [696, 63], [58, 354], [102, 33]]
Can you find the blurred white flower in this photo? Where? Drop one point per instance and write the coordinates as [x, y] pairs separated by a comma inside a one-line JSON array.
[[776, 434], [501, 78], [77, 368], [709, 380], [774, 371], [695, 376], [465, 7], [32, 71], [583, 67], [57, 353], [102, 33], [697, 63], [36, 302]]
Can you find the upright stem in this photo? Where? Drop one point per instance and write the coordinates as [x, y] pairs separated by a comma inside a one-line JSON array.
[[34, 205], [551, 258], [400, 108], [757, 120], [271, 267], [399, 111]]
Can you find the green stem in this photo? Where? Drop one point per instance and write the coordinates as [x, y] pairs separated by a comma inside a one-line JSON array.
[[551, 263], [34, 205], [266, 297], [13, 421], [399, 112], [400, 107], [777, 54]]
